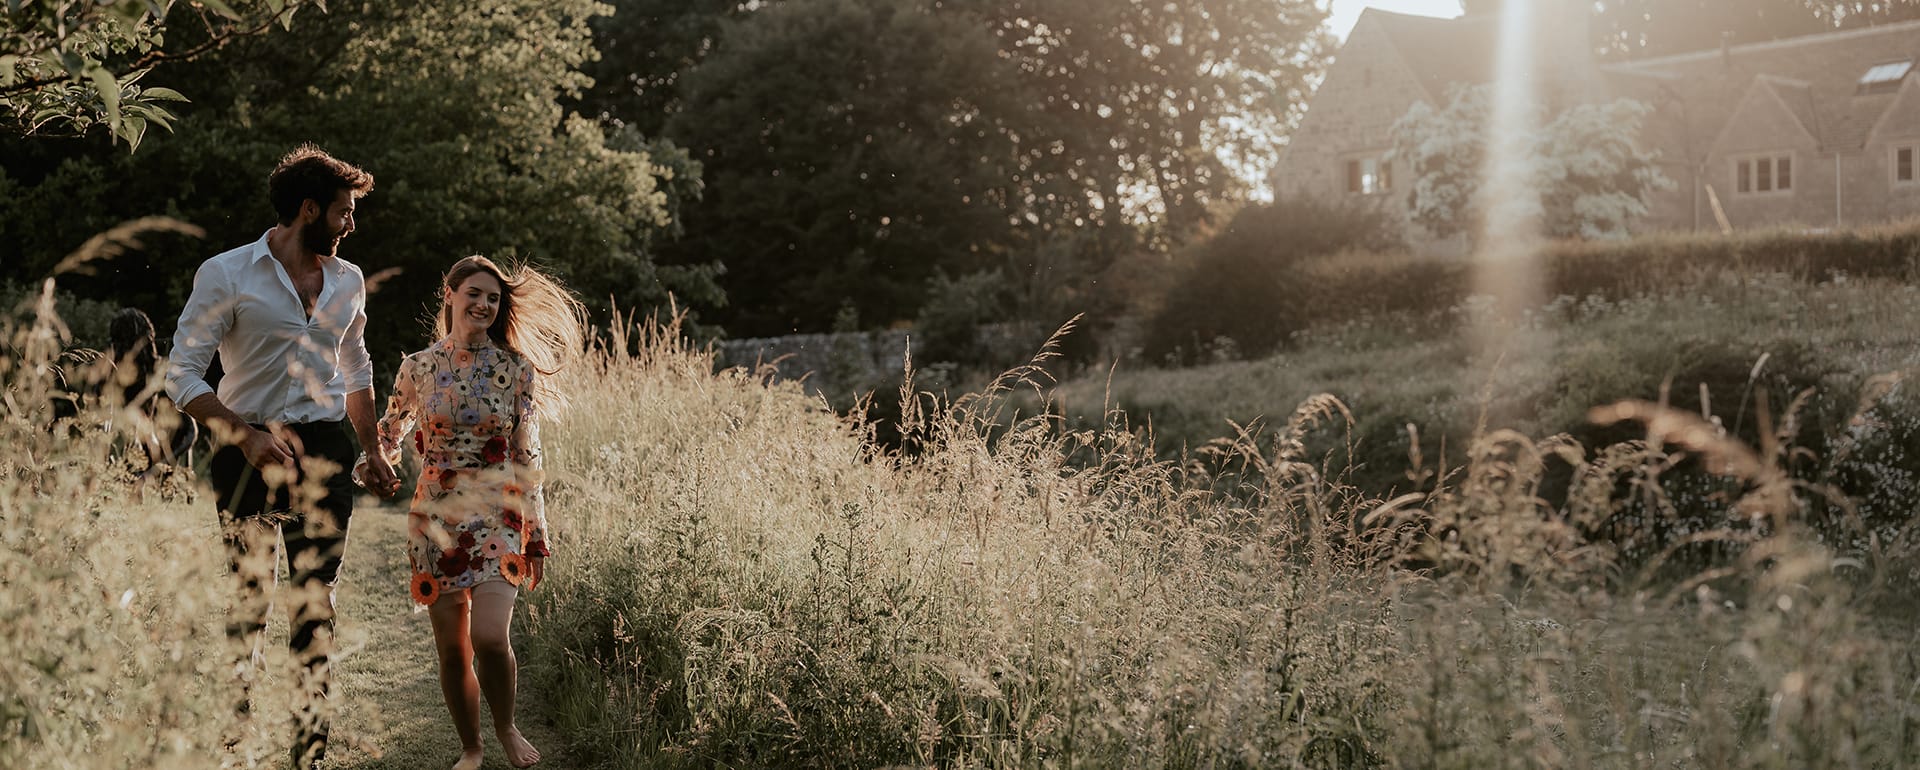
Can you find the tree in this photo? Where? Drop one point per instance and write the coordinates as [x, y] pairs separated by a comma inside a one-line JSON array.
[[1148, 111], [646, 47], [1587, 177], [852, 153], [1638, 28], [453, 105], [1088, 129], [70, 66]]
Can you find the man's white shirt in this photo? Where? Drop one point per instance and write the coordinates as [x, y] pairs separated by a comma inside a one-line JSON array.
[[280, 365]]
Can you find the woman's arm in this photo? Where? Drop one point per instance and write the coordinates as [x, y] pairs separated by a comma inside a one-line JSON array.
[[528, 470], [403, 411]]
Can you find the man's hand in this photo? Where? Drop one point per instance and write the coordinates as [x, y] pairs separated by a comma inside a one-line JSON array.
[[264, 449]]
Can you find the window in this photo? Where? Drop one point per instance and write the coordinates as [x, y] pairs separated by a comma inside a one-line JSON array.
[[1903, 171], [1369, 176], [1765, 174], [1883, 78]]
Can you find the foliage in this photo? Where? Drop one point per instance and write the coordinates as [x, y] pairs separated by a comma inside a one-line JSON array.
[[646, 48], [1117, 126], [67, 67], [1638, 28], [1242, 293], [1591, 179], [849, 154], [453, 106]]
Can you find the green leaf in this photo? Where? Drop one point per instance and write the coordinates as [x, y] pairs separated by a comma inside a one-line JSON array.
[[220, 7], [162, 92], [152, 114], [133, 130], [8, 63], [108, 90]]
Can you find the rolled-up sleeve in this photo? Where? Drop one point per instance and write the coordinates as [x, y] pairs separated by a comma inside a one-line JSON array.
[[355, 363], [203, 324]]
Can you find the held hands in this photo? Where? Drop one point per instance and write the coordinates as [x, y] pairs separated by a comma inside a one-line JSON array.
[[373, 473]]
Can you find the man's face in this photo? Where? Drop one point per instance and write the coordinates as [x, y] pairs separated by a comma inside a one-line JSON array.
[[322, 235]]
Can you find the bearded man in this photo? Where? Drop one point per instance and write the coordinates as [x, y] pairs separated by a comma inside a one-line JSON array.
[[288, 319]]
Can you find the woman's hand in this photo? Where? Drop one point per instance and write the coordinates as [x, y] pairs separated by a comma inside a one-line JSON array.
[[536, 571]]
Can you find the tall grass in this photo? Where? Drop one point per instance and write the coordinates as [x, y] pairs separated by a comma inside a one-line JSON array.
[[113, 591], [747, 580]]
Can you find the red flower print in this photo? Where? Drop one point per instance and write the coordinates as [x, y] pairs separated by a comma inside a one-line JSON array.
[[455, 561], [424, 587], [447, 478], [514, 520], [495, 451], [420, 441], [466, 540]]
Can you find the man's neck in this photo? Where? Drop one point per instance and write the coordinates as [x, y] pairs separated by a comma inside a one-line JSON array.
[[284, 243]]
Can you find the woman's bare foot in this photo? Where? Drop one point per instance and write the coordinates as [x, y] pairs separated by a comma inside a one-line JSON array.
[[520, 753], [469, 760]]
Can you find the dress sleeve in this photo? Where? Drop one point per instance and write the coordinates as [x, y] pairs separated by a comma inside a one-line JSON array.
[[403, 410], [527, 467]]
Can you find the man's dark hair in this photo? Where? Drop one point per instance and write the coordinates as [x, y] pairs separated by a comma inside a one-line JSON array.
[[310, 174]]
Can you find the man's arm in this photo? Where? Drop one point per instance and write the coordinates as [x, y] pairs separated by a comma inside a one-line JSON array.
[[204, 322], [357, 368], [381, 479]]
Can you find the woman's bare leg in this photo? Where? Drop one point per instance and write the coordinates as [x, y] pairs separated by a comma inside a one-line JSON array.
[[457, 683], [499, 671]]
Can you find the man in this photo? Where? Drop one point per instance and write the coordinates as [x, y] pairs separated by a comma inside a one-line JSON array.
[[288, 319]]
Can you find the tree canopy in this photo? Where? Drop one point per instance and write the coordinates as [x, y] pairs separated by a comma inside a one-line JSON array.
[[454, 106], [68, 67], [1633, 28], [1102, 126]]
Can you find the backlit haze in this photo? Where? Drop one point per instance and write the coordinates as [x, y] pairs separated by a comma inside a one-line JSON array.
[[1346, 12]]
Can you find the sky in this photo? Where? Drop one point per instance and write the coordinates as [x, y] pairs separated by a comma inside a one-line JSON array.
[[1346, 12]]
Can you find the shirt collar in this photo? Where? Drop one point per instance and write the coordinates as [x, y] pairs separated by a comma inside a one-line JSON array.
[[333, 265], [260, 249]]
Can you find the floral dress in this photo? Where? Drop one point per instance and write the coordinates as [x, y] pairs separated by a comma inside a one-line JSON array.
[[478, 511]]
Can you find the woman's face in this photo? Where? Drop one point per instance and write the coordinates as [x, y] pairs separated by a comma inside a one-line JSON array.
[[474, 303]]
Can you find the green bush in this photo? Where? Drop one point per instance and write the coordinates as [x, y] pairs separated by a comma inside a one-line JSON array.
[[1243, 292], [1275, 273]]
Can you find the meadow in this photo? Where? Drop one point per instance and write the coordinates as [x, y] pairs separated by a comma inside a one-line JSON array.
[[1103, 572]]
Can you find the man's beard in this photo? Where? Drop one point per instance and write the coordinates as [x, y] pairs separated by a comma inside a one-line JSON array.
[[317, 238]]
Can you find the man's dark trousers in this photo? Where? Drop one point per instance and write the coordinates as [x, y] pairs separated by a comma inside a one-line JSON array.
[[311, 513]]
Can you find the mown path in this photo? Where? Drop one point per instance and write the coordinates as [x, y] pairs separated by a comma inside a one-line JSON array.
[[391, 714]]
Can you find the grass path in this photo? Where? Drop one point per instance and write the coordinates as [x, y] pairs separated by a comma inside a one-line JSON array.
[[391, 714]]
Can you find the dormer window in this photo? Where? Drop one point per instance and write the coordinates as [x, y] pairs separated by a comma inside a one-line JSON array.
[[1371, 175], [1885, 78]]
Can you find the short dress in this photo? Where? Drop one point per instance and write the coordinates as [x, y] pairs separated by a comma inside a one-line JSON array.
[[478, 511]]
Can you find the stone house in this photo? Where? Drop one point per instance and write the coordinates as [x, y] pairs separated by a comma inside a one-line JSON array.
[[1816, 131]]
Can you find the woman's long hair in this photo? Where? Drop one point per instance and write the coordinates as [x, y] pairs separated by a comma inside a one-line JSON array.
[[538, 318]]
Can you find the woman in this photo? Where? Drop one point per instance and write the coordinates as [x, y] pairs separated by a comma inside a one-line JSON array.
[[477, 532]]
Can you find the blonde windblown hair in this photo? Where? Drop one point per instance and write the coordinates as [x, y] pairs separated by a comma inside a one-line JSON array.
[[538, 318]]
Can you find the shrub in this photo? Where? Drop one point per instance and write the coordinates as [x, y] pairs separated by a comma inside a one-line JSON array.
[[1244, 288]]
